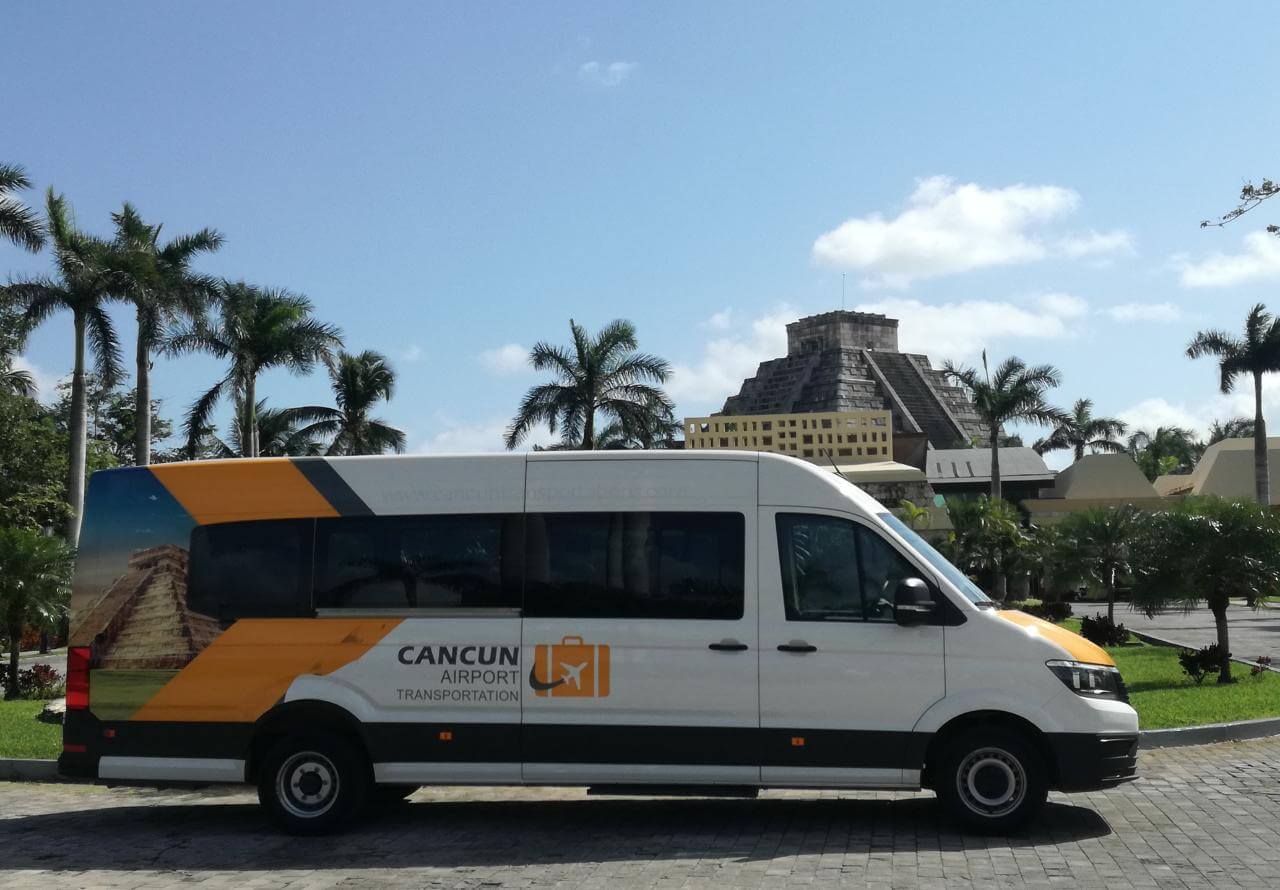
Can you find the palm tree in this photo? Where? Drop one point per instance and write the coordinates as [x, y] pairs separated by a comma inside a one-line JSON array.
[[1256, 353], [359, 383], [1232, 428], [1098, 543], [1014, 393], [158, 281], [597, 375], [1082, 430], [35, 571], [1170, 449], [18, 222], [85, 283], [254, 329], [281, 433], [16, 380]]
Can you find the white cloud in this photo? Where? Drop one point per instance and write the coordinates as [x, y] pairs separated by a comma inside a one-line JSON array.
[[1198, 415], [605, 74], [721, 321], [509, 359], [961, 330], [469, 437], [1157, 313], [728, 360], [1259, 260], [1094, 243], [949, 227], [46, 382]]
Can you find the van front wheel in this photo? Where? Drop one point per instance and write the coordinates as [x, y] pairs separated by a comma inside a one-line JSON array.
[[992, 781], [313, 784]]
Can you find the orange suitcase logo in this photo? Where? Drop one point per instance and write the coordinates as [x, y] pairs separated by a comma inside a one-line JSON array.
[[570, 668]]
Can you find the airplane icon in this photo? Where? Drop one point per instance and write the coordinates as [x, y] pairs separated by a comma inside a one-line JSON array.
[[574, 672]]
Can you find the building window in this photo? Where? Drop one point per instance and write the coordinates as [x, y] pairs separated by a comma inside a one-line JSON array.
[[768, 440], [826, 423], [724, 442], [766, 425], [808, 452], [807, 439], [846, 452]]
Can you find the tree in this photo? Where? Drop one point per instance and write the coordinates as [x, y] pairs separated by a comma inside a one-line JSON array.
[[1097, 543], [1014, 393], [281, 433], [85, 284], [253, 329], [1256, 353], [1210, 549], [602, 375], [1232, 428], [35, 573], [110, 419], [13, 380], [1170, 449], [159, 282], [986, 536], [359, 383], [1250, 197], [18, 222], [33, 455], [613, 436], [1081, 430]]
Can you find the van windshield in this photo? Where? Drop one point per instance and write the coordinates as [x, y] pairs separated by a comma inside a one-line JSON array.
[[971, 591]]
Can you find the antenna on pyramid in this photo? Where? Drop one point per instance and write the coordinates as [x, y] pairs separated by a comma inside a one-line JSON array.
[[842, 276]]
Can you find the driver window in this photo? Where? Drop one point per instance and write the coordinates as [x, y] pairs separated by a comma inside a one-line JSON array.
[[836, 570]]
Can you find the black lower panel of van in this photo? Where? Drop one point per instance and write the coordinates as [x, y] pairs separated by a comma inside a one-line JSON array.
[[1088, 761], [675, 790]]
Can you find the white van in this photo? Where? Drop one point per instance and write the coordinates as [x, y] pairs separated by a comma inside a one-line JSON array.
[[344, 630]]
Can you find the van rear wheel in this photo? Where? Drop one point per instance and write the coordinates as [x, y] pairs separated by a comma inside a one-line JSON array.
[[313, 784], [992, 781]]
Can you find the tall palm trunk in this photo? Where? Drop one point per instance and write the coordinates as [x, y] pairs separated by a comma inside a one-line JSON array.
[[142, 396], [1261, 475], [13, 627], [1110, 587], [78, 437], [249, 423], [1218, 606], [995, 462], [589, 430]]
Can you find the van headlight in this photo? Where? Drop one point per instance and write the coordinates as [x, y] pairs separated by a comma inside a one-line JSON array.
[[1090, 680]]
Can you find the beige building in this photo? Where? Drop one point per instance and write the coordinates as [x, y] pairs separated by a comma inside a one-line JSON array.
[[1096, 480], [1225, 469], [845, 437]]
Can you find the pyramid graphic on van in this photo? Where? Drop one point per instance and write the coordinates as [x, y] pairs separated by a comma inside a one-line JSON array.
[[142, 622]]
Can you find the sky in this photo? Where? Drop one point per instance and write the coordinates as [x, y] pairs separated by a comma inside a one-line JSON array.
[[449, 183]]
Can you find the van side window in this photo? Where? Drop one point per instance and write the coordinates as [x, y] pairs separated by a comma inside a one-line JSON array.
[[256, 569], [418, 562], [836, 570], [635, 565]]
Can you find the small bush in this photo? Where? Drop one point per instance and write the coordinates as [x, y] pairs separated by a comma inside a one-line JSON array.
[[39, 682], [1055, 611], [1200, 663], [1102, 631], [1259, 666]]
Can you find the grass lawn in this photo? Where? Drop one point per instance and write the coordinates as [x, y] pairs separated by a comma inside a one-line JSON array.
[[23, 736], [1165, 697]]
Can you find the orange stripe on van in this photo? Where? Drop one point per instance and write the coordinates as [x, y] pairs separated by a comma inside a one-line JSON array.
[[1076, 646], [231, 490], [248, 669]]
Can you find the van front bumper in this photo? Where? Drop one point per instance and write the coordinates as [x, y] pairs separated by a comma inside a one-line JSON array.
[[1090, 761]]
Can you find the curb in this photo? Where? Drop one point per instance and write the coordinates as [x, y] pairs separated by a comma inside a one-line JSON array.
[[19, 770], [1209, 733]]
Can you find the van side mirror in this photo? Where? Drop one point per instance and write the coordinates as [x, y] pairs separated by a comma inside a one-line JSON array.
[[912, 602]]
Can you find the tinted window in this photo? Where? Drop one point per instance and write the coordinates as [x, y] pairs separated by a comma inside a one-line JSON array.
[[837, 570], [417, 562], [635, 565], [251, 569]]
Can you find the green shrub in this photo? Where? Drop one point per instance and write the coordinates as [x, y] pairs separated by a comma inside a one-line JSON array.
[[1199, 663], [40, 682], [1055, 611], [1103, 631]]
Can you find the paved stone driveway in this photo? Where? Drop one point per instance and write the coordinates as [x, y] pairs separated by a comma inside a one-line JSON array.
[[1253, 632], [1199, 817]]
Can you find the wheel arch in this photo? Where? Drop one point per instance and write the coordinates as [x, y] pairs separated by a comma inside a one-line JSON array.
[[304, 715], [987, 719]]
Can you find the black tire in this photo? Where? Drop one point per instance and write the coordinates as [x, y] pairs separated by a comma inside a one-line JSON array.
[[993, 781], [313, 783]]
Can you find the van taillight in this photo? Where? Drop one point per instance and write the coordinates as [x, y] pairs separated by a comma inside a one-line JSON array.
[[77, 678]]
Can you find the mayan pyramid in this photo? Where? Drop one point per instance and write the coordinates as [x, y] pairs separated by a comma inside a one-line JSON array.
[[849, 361], [142, 621]]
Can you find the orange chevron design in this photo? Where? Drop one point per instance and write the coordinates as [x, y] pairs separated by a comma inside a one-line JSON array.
[[214, 491], [248, 669]]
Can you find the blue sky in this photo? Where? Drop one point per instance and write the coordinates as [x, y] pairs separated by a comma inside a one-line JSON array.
[[450, 182]]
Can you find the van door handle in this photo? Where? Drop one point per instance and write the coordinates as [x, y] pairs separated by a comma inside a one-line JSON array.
[[797, 647], [729, 646]]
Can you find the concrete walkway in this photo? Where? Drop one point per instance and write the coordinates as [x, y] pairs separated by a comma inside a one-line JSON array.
[[1252, 633]]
